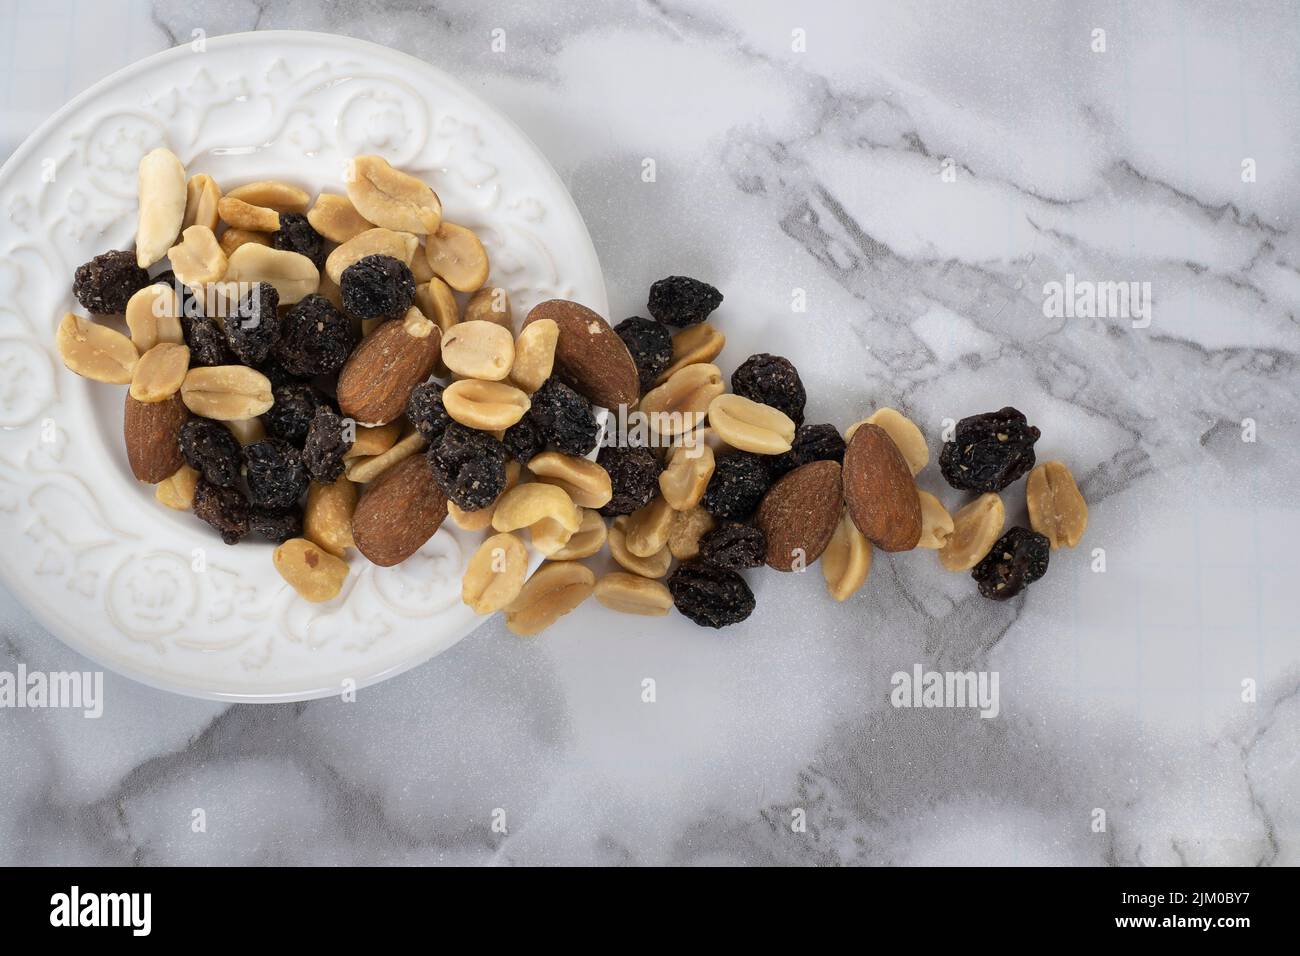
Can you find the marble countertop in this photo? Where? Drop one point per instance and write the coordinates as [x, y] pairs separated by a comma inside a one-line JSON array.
[[923, 172]]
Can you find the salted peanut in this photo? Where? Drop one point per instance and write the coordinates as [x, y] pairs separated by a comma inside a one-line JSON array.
[[331, 291], [159, 372], [95, 351], [226, 392], [391, 198], [586, 482], [153, 316], [846, 562], [371, 467], [294, 275], [481, 350], [1056, 506], [534, 353], [247, 431], [680, 403], [482, 518], [633, 594], [651, 566], [177, 492], [549, 536], [495, 574], [372, 242], [327, 516], [974, 530], [244, 215], [646, 531], [904, 433], [586, 541], [936, 523], [491, 304], [457, 256], [232, 239], [197, 259], [162, 205], [373, 440], [421, 271], [335, 218], [487, 406], [693, 345], [527, 504], [686, 475], [272, 194], [436, 300], [750, 426], [688, 527], [201, 197], [555, 589], [315, 574]]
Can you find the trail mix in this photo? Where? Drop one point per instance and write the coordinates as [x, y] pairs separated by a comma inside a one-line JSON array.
[[338, 374]]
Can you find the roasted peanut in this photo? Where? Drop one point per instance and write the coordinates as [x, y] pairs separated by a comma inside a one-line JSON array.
[[526, 505], [495, 574], [159, 372], [391, 198], [487, 406], [436, 300], [1056, 506], [244, 215], [371, 467], [490, 304], [686, 475], [687, 529], [373, 440], [555, 589], [680, 403], [534, 354], [904, 433], [152, 315], [197, 259], [372, 242], [315, 574], [226, 392], [177, 492], [327, 517], [750, 426], [246, 430], [586, 483], [201, 197], [846, 562], [646, 531], [481, 350], [693, 345], [232, 239], [974, 530], [457, 256], [95, 351], [272, 194], [586, 541], [633, 594], [335, 218], [652, 566], [163, 194], [294, 276], [936, 523]]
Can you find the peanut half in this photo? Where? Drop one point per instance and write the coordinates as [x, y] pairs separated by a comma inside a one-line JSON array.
[[335, 218], [495, 574], [490, 304], [686, 475], [163, 194], [482, 350], [177, 492], [153, 316], [246, 430], [294, 275], [846, 562], [391, 198], [374, 440], [645, 533], [370, 468], [197, 259], [750, 426], [457, 256], [586, 482], [226, 392], [372, 242], [975, 528], [239, 214], [95, 351], [546, 510], [327, 517], [232, 239], [688, 527], [680, 403], [272, 194], [587, 540], [555, 589], [487, 406], [534, 353], [633, 594], [201, 197], [652, 566], [691, 346], [159, 373], [936, 523], [315, 574], [1056, 506]]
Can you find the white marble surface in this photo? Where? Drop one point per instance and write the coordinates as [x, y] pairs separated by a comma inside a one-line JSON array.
[[819, 170]]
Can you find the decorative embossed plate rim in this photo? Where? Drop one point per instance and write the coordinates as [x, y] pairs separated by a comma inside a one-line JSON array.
[[89, 552]]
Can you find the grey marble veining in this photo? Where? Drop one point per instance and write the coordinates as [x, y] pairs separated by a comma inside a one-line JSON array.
[[920, 171]]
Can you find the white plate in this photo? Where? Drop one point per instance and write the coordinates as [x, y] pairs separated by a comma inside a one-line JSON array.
[[86, 547]]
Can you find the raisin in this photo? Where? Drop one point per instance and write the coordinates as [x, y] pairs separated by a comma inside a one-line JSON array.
[[276, 524], [277, 374], [681, 300], [1017, 560], [710, 596], [291, 414], [377, 287], [771, 380], [226, 509], [469, 466], [315, 338], [276, 475], [634, 475], [651, 345], [989, 451], [739, 482], [424, 410], [210, 449], [106, 283], [811, 443], [326, 444], [734, 546], [296, 235], [251, 330], [207, 342], [523, 440], [564, 418]]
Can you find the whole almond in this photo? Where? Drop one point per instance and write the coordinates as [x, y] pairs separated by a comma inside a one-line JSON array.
[[880, 492], [589, 356], [398, 512], [799, 513], [378, 377], [152, 432]]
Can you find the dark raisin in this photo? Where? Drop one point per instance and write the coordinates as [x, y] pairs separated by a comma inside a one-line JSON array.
[[523, 440], [734, 546], [469, 466], [681, 300], [989, 451], [106, 283], [771, 380], [811, 443], [739, 482], [564, 418], [634, 475], [1017, 560], [710, 596], [651, 345], [276, 524], [377, 287], [424, 410], [277, 374], [291, 414], [207, 342], [254, 325], [226, 509], [296, 235], [210, 449], [315, 338], [275, 472], [326, 444]]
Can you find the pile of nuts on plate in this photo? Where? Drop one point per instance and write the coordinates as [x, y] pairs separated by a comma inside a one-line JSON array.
[[286, 379]]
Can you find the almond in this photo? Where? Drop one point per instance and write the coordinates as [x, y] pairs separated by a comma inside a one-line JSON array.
[[378, 377], [880, 492], [589, 356], [398, 512], [799, 513], [152, 432]]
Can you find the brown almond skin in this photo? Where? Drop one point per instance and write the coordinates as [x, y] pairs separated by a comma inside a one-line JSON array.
[[379, 376], [800, 512], [589, 355], [879, 491], [398, 512], [152, 434]]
